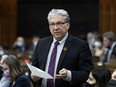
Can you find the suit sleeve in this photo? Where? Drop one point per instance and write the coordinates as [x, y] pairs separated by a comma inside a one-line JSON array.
[[35, 57]]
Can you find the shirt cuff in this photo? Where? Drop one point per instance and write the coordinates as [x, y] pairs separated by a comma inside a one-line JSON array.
[[69, 76]]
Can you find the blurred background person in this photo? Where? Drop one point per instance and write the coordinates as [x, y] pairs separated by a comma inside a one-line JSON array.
[[20, 45], [98, 44], [109, 44], [1, 51], [98, 49], [31, 49], [35, 40], [14, 70], [94, 40], [90, 39], [4, 50]]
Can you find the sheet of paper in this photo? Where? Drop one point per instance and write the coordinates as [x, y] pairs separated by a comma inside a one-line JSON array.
[[38, 72]]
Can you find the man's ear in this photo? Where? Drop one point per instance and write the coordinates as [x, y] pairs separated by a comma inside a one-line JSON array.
[[68, 25]]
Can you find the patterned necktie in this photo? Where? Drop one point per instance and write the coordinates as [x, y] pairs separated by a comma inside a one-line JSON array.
[[50, 82]]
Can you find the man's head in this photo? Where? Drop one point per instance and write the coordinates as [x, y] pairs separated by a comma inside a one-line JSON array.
[[108, 38], [58, 20], [20, 41]]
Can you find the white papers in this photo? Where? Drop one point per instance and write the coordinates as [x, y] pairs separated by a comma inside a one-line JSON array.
[[38, 72]]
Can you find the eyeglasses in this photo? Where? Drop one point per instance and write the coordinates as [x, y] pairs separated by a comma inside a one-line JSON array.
[[58, 24]]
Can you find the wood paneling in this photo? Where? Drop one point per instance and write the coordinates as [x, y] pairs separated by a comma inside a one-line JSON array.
[[8, 21], [107, 15]]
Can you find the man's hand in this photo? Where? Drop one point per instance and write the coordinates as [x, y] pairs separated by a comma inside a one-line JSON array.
[[114, 75], [62, 74]]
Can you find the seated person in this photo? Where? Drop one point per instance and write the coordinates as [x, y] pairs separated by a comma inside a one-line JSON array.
[[109, 44], [98, 77], [14, 70], [4, 81]]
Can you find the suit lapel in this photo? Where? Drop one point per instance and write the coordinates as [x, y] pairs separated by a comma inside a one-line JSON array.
[[65, 50], [46, 51]]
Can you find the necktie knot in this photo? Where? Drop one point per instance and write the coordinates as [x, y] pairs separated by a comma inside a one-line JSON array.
[[56, 43]]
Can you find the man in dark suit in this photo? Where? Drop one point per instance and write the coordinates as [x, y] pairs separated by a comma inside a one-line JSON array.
[[73, 58], [109, 43]]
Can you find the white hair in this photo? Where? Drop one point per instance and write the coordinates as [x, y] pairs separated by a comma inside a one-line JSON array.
[[56, 12]]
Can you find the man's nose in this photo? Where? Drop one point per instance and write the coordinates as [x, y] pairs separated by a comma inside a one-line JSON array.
[[55, 26]]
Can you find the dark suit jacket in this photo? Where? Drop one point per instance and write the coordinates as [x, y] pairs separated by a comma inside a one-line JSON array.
[[113, 55], [22, 81], [75, 56]]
